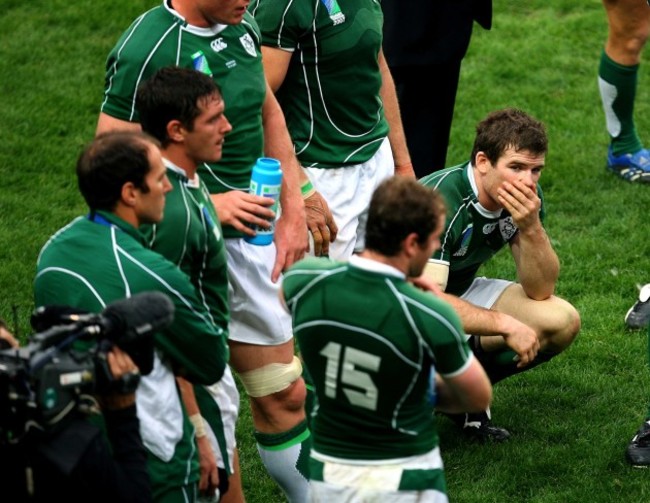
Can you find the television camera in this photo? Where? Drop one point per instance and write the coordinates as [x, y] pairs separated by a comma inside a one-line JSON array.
[[64, 363]]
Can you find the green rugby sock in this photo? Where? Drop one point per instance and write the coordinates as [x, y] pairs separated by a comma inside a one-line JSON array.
[[617, 85], [499, 365], [286, 458]]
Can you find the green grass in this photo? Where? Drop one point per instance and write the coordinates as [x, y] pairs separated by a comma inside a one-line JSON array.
[[572, 418]]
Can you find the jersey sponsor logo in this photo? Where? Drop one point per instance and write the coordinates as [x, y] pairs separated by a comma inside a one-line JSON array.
[[334, 11], [218, 45], [507, 228], [248, 44], [466, 237]]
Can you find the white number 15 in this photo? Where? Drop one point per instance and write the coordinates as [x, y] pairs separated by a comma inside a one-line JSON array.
[[352, 359]]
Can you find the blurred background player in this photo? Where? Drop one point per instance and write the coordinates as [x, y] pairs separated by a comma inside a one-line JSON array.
[[429, 39], [629, 27]]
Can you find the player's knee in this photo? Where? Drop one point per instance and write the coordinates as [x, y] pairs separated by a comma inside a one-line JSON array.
[[565, 328], [276, 385]]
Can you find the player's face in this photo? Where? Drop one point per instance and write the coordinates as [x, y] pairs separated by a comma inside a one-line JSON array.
[[522, 166], [149, 206], [212, 12], [205, 142]]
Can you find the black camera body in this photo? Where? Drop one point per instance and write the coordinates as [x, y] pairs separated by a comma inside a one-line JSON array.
[[42, 383]]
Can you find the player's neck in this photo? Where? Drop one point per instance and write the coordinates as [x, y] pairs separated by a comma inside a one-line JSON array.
[[399, 262], [189, 12], [127, 214], [180, 159]]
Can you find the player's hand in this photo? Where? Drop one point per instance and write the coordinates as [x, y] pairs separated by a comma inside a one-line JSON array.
[[291, 239], [237, 209], [321, 224], [6, 336], [522, 202], [522, 340], [427, 284], [209, 481], [120, 364]]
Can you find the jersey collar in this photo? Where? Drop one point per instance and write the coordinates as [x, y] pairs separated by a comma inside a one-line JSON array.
[[374, 266]]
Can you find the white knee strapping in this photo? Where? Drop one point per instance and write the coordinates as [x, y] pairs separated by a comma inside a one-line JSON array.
[[271, 378]]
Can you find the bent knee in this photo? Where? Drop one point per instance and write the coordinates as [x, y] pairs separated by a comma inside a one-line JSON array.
[[564, 328]]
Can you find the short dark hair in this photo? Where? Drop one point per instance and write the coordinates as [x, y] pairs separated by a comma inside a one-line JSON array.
[[172, 93], [506, 128], [399, 206], [108, 162]]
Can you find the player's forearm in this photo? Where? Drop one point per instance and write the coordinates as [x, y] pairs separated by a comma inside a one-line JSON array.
[[277, 144], [538, 266], [476, 320], [471, 391], [107, 123], [396, 134]]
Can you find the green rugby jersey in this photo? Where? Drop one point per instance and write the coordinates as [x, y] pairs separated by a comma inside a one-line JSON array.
[[190, 236], [369, 339], [472, 234], [89, 264], [159, 38], [330, 95]]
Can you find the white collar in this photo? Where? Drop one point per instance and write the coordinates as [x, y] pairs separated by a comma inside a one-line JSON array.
[[372, 265], [197, 30], [472, 181], [191, 182]]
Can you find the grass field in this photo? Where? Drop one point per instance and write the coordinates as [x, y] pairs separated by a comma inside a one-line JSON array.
[[570, 419]]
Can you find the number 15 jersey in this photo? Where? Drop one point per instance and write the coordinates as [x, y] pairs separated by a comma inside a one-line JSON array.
[[369, 340]]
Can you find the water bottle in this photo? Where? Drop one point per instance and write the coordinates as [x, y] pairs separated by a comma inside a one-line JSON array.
[[266, 181]]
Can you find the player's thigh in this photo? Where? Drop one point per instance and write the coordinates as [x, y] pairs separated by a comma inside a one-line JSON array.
[[257, 317], [628, 20], [245, 357], [546, 317]]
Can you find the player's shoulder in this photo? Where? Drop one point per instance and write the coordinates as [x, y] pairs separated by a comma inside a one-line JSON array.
[[428, 304], [314, 265], [445, 177], [147, 29]]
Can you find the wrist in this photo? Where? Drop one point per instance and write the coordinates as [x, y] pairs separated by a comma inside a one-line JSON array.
[[405, 169], [307, 189], [199, 426]]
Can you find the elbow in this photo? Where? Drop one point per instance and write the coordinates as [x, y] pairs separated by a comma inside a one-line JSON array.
[[208, 369]]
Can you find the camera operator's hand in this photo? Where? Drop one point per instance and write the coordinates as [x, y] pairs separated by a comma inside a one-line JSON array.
[[7, 336], [120, 364]]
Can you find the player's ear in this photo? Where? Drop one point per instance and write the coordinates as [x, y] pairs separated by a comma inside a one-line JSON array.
[[481, 162], [128, 195], [175, 131], [410, 244]]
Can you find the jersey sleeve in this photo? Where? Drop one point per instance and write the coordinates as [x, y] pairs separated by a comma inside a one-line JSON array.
[[444, 336], [195, 345], [298, 276], [283, 22]]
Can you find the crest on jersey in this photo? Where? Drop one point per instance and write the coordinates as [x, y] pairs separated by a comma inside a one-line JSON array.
[[488, 228], [248, 44], [507, 228]]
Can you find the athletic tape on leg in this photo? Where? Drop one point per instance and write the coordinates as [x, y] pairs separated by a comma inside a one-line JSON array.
[[271, 378]]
